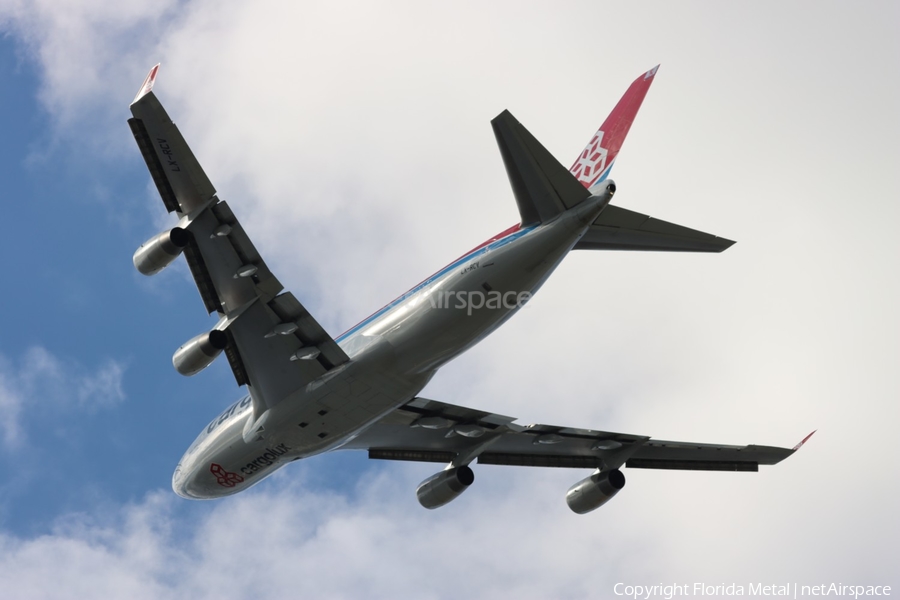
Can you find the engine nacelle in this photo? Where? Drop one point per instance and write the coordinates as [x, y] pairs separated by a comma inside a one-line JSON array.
[[198, 353], [441, 488], [158, 252], [594, 491]]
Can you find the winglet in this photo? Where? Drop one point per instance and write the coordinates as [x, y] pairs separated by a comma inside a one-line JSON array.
[[596, 160], [803, 441], [148, 84]]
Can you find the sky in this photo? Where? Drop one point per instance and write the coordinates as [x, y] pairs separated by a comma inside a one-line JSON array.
[[352, 140]]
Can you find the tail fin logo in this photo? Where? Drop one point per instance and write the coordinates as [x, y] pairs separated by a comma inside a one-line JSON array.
[[592, 161], [596, 160]]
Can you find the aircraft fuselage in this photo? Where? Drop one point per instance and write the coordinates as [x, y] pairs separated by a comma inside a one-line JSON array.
[[394, 353]]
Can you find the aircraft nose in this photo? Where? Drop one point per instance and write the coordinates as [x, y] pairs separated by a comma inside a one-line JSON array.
[[178, 482], [193, 482], [183, 483]]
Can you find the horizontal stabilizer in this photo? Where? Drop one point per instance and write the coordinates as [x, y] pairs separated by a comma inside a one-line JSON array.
[[542, 186], [622, 229]]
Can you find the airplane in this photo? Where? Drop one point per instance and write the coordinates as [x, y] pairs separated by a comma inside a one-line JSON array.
[[310, 393]]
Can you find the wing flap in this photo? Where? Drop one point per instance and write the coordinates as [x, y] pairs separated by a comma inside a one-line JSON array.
[[202, 278], [436, 456], [572, 461], [145, 145], [692, 465], [236, 362], [621, 229], [660, 454]]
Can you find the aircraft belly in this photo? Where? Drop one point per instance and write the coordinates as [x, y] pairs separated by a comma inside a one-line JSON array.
[[315, 420]]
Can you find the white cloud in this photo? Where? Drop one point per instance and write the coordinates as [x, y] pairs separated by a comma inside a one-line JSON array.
[[72, 44], [289, 538], [40, 381], [10, 409], [103, 388]]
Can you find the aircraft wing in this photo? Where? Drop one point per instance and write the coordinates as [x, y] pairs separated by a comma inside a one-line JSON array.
[[273, 344], [430, 431]]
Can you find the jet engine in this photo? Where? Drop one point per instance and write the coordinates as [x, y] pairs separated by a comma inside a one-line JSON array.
[[441, 488], [155, 254], [198, 353], [593, 492]]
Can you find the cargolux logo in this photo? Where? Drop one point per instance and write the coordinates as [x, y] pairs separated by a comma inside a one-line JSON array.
[[592, 161], [223, 477]]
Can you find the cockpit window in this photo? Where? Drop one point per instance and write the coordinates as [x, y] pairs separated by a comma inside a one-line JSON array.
[[196, 443], [235, 409]]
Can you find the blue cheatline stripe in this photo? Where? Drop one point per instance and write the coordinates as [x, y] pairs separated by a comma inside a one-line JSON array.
[[604, 175], [475, 253]]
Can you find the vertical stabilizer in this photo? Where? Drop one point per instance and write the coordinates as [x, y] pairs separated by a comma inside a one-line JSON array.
[[542, 186], [596, 160]]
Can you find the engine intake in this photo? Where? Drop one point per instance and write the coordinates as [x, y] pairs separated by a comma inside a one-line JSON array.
[[158, 252], [594, 491], [441, 488], [197, 354]]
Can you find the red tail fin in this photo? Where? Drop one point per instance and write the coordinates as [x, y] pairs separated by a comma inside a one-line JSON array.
[[596, 160]]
